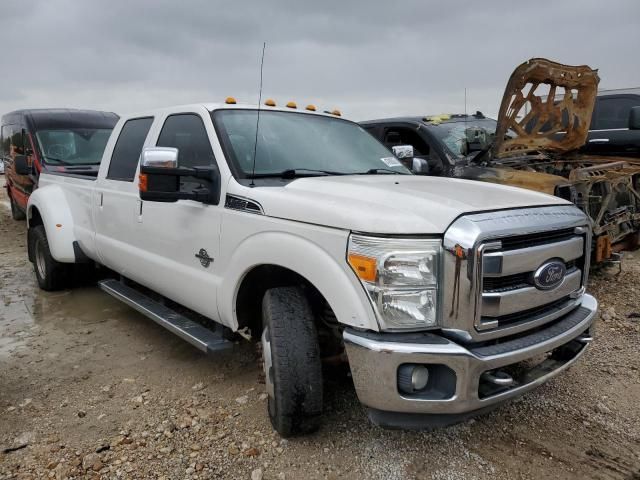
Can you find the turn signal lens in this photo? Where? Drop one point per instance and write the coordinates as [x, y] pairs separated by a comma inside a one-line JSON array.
[[142, 182], [365, 267], [230, 101]]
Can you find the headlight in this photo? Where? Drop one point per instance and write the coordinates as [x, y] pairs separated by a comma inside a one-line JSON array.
[[400, 277]]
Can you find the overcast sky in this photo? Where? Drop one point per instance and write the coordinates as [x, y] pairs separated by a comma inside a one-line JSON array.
[[368, 58]]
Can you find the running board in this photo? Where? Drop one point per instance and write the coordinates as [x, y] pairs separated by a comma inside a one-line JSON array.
[[197, 335]]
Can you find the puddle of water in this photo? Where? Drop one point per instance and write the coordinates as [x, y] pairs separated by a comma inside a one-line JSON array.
[[77, 307], [15, 324]]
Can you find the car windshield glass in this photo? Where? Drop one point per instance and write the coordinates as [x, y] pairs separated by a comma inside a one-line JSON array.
[[453, 134], [77, 146], [297, 141]]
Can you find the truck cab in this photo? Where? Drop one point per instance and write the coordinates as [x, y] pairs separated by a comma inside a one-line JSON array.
[[299, 231]]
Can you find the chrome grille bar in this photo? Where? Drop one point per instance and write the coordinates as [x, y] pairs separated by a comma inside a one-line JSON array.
[[512, 244]]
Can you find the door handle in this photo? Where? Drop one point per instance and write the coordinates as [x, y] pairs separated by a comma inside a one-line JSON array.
[[599, 140]]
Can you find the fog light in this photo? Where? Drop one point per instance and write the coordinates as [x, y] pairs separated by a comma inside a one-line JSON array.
[[412, 378]]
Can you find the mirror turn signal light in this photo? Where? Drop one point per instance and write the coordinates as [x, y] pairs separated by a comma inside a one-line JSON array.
[[365, 267], [142, 182], [269, 102], [292, 105], [230, 101]]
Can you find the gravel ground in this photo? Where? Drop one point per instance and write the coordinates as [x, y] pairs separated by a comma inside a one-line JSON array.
[[91, 389]]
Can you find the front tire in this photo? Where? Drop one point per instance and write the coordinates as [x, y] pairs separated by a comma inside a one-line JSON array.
[[51, 274], [16, 213], [291, 359]]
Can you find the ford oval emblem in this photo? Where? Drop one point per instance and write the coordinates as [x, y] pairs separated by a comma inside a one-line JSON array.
[[549, 275]]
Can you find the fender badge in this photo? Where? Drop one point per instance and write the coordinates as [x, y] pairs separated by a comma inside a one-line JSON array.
[[205, 259]]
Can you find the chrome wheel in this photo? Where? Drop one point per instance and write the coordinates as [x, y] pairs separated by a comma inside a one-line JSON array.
[[40, 260], [267, 365]]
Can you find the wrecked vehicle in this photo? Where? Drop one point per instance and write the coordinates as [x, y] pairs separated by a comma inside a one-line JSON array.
[[543, 121]]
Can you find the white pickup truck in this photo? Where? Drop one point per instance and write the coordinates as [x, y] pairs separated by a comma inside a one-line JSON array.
[[446, 296]]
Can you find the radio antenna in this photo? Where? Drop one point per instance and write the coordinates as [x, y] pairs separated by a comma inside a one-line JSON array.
[[255, 143], [465, 106]]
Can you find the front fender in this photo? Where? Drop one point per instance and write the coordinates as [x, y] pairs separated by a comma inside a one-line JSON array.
[[333, 278], [52, 205]]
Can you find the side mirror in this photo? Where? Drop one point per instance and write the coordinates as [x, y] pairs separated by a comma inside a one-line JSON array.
[[402, 151], [159, 179], [634, 118], [420, 166], [21, 165]]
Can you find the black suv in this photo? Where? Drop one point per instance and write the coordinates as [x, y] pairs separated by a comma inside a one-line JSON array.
[[615, 124]]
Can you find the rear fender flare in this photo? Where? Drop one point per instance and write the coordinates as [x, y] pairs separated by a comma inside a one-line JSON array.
[[52, 205]]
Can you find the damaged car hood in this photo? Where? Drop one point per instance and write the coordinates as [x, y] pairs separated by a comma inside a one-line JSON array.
[[546, 107]]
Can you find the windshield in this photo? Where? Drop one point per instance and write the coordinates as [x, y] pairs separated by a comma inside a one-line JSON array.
[[453, 134], [297, 141], [77, 146]]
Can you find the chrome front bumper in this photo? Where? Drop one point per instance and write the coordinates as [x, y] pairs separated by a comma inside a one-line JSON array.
[[374, 359]]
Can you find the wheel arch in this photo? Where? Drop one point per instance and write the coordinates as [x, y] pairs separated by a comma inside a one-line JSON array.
[[277, 259], [48, 206]]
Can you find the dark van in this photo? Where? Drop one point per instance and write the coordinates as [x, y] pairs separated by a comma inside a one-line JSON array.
[[51, 140]]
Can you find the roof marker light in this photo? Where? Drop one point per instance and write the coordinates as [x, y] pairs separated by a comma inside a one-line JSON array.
[[336, 112], [292, 105], [230, 101], [269, 102], [311, 108]]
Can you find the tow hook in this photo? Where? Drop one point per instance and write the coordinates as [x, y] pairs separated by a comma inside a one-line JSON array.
[[499, 378]]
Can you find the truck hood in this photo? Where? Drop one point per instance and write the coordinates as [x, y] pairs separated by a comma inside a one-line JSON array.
[[386, 204], [541, 93]]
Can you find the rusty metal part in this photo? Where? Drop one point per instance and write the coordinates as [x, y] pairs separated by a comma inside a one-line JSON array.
[[537, 117], [585, 173], [540, 154], [603, 248], [531, 180], [631, 242]]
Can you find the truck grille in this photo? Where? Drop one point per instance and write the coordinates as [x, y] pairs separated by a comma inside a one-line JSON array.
[[496, 294]]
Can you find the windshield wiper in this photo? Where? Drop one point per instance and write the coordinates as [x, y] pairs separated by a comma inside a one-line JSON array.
[[59, 160], [296, 172], [375, 171]]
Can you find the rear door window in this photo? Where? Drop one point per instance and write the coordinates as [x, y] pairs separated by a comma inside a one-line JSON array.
[[5, 135], [17, 143], [613, 112], [126, 153]]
